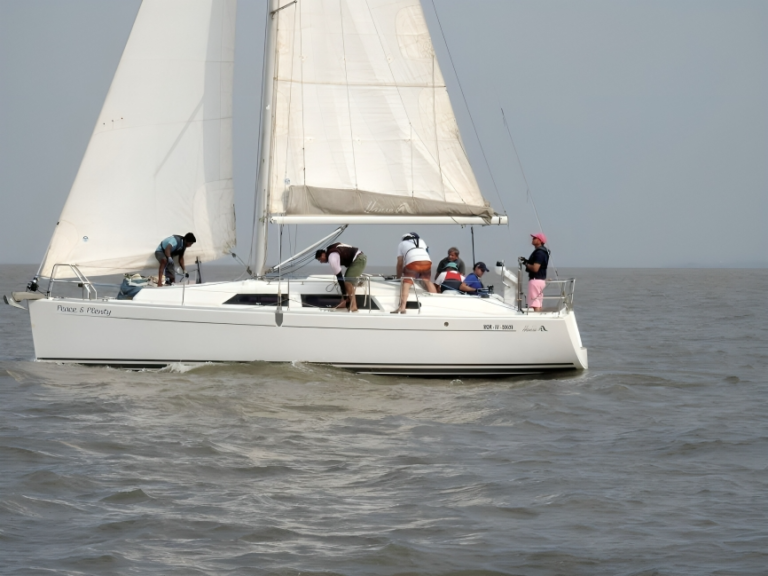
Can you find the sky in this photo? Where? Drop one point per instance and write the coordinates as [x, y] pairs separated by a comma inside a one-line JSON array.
[[641, 125]]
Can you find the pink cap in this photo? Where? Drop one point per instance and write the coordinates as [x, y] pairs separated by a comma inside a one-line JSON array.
[[541, 236]]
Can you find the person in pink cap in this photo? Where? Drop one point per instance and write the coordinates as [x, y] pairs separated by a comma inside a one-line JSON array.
[[536, 265]]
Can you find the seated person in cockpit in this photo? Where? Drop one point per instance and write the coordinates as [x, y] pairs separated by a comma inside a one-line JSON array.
[[452, 280], [472, 283]]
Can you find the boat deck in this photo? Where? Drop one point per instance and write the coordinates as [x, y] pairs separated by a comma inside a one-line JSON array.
[[320, 294]]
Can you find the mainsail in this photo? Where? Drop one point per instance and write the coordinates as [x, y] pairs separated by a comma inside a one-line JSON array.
[[159, 161], [362, 124]]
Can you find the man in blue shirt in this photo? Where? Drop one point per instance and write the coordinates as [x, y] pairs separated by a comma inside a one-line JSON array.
[[472, 284], [170, 248]]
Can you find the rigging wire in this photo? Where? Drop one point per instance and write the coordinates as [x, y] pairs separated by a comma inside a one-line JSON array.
[[306, 256], [247, 269], [474, 127], [469, 112], [525, 179], [286, 180], [520, 164]]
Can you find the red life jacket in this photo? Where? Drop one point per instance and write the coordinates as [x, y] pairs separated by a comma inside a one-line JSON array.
[[451, 274], [452, 280]]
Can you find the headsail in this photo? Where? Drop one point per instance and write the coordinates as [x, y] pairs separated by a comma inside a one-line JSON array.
[[362, 124], [159, 161]]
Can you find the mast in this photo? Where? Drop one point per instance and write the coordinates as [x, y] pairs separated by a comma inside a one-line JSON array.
[[265, 160]]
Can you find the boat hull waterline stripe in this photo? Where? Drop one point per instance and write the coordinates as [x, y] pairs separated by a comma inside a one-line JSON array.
[[382, 369]]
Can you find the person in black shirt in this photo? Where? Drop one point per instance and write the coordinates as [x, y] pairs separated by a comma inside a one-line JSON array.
[[536, 265]]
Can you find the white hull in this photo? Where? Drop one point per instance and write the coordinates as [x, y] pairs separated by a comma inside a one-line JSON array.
[[449, 335]]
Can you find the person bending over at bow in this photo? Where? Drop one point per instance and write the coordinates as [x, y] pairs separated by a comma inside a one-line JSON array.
[[338, 255], [170, 248]]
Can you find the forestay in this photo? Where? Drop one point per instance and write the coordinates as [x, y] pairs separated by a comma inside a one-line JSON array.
[[159, 161], [362, 121]]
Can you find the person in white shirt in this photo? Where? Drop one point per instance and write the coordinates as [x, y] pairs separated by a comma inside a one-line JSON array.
[[413, 262]]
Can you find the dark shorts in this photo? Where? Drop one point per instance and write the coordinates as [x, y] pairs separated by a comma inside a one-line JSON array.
[[168, 270]]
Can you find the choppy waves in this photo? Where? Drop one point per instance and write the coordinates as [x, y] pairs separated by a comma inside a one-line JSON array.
[[652, 462]]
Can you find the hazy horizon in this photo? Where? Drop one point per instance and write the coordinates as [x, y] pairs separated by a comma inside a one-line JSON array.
[[641, 126]]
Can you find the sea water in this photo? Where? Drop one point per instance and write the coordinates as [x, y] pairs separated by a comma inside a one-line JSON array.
[[654, 461]]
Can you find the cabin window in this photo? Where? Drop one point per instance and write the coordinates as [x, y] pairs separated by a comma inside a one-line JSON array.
[[333, 300], [257, 299], [411, 305]]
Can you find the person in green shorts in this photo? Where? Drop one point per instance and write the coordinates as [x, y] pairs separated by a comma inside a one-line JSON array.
[[338, 255]]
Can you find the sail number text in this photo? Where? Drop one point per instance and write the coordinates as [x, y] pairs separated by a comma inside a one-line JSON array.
[[498, 327]]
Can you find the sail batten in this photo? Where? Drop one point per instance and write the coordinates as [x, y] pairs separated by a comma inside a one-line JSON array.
[[363, 123], [159, 161]]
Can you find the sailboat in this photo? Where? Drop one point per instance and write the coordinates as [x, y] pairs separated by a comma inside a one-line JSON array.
[[357, 128]]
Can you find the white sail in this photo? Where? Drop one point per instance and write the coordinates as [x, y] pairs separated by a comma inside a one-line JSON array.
[[362, 121], [159, 161]]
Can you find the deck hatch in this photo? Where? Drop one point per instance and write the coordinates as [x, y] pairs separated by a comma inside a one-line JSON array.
[[332, 300], [257, 300]]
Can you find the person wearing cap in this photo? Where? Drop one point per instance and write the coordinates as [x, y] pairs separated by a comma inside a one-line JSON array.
[[413, 262], [450, 279], [472, 284], [536, 265]]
